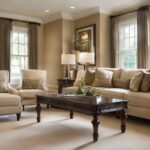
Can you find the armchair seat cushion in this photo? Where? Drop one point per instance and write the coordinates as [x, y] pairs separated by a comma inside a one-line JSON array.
[[7, 99], [29, 93]]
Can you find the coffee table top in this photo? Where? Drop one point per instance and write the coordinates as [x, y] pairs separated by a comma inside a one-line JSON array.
[[82, 99]]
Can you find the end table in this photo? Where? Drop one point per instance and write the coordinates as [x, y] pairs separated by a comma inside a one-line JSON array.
[[64, 83]]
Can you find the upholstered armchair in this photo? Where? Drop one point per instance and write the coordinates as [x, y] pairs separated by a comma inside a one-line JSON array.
[[10, 102], [33, 82]]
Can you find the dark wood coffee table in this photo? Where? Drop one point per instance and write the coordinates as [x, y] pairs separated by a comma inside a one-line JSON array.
[[92, 105]]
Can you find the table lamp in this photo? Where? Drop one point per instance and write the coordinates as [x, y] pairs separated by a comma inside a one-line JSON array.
[[86, 58], [67, 60]]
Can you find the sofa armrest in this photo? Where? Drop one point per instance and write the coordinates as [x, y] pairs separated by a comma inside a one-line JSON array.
[[12, 90]]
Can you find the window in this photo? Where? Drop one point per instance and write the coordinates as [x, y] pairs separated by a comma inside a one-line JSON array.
[[128, 44], [19, 52]]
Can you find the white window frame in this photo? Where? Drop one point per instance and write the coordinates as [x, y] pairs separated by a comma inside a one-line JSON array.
[[23, 30], [120, 50]]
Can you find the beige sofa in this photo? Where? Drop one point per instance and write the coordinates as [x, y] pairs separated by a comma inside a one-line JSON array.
[[10, 103], [27, 94], [139, 102]]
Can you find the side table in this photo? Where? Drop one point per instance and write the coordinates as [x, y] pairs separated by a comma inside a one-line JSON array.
[[64, 83]]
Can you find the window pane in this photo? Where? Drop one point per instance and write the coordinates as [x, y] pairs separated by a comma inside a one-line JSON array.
[[15, 49], [15, 37], [127, 32], [19, 53], [21, 49], [14, 61], [21, 38], [128, 44]]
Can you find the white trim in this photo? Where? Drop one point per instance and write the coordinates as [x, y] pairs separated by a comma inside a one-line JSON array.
[[75, 16], [20, 17]]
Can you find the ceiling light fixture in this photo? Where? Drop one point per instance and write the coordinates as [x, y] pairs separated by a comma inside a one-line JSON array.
[[47, 11], [72, 7]]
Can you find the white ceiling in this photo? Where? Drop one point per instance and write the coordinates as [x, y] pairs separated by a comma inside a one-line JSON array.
[[35, 9]]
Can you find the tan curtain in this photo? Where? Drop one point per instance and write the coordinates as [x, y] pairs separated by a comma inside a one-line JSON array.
[[114, 41], [33, 46], [142, 30], [5, 35]]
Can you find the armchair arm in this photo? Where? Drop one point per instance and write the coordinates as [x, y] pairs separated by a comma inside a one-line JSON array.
[[12, 90], [44, 86]]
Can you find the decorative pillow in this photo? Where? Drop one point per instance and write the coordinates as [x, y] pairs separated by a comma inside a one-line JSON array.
[[136, 81], [31, 84], [120, 83], [145, 85], [89, 76], [103, 78], [3, 86], [117, 73]]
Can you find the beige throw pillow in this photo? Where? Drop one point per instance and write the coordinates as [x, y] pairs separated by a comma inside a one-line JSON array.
[[3, 86], [136, 81], [89, 76], [31, 84], [103, 78], [145, 85], [120, 83]]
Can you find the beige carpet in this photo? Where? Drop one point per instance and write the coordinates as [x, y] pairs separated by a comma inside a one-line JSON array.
[[58, 132]]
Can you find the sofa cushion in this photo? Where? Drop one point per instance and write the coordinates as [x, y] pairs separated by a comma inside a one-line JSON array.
[[114, 92], [136, 81], [103, 78], [128, 74], [9, 100], [89, 76], [145, 85], [140, 99], [120, 83], [31, 84], [29, 93]]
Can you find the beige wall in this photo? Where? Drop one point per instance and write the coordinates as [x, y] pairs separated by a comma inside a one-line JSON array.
[[52, 51], [68, 32], [104, 40]]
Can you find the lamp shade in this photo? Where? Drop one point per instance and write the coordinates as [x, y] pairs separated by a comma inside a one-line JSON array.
[[68, 59], [86, 58]]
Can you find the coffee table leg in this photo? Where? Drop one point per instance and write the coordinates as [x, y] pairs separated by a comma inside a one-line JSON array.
[[71, 114], [95, 123], [123, 117], [38, 109]]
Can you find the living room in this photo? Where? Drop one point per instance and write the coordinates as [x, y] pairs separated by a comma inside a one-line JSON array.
[[74, 74]]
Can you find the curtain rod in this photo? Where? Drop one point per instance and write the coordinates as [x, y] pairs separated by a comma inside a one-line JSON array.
[[141, 8], [21, 21]]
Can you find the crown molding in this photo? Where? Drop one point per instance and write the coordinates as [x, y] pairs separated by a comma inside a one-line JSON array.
[[75, 16], [20, 17]]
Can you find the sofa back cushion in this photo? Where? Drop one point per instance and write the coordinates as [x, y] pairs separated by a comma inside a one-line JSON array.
[[116, 72], [120, 83], [103, 78], [128, 74], [136, 81], [145, 85], [89, 76]]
